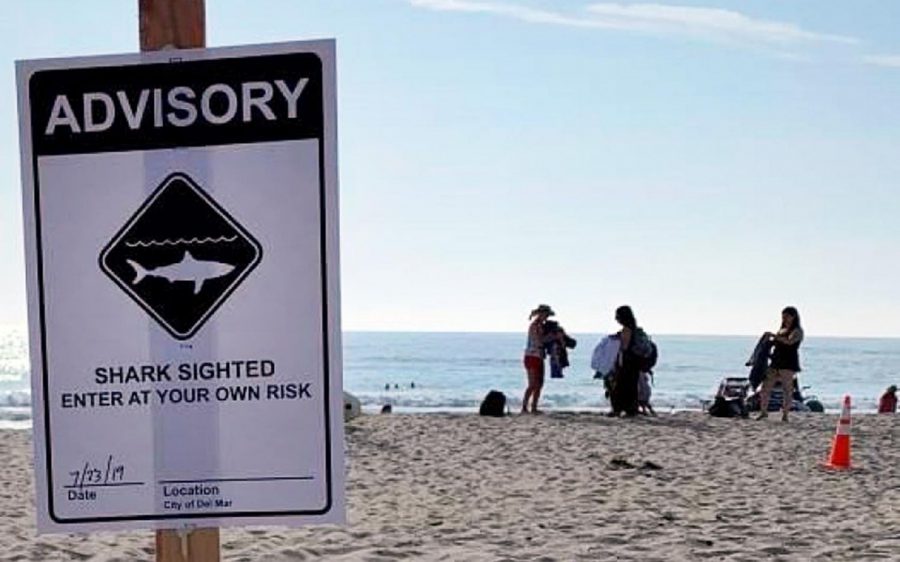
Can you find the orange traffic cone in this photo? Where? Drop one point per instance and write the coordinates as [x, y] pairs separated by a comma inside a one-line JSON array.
[[840, 447]]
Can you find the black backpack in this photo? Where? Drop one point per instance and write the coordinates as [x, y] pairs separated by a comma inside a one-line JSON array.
[[649, 362], [494, 404], [645, 350]]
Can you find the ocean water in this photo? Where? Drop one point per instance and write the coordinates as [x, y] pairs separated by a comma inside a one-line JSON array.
[[453, 371]]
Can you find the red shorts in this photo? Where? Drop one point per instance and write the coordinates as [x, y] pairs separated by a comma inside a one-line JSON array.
[[534, 364]]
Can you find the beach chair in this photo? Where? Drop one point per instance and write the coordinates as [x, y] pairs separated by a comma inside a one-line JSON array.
[[731, 398], [734, 387]]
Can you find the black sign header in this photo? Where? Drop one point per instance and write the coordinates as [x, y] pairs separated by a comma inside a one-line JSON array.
[[176, 104]]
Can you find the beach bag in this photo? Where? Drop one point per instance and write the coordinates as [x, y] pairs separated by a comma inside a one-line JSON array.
[[494, 404], [645, 350]]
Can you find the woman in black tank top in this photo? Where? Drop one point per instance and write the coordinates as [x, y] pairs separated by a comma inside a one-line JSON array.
[[624, 395], [785, 363]]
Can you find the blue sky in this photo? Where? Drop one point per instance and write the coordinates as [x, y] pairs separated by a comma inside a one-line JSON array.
[[706, 162]]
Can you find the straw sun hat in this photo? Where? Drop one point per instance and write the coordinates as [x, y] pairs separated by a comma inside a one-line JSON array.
[[543, 309]]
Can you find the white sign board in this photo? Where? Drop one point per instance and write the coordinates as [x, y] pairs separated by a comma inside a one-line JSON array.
[[182, 262]]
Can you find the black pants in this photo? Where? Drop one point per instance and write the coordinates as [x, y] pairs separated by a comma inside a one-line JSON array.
[[624, 397]]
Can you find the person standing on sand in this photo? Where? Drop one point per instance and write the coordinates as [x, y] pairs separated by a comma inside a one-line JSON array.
[[888, 402], [624, 395], [534, 357], [785, 362], [645, 390]]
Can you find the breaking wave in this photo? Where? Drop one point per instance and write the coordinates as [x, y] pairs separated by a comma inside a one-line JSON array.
[[18, 414], [577, 401]]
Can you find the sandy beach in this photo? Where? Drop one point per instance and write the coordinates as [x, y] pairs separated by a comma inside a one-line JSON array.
[[559, 487]]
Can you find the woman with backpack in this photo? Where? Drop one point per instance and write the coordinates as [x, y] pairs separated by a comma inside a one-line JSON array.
[[785, 362], [624, 395]]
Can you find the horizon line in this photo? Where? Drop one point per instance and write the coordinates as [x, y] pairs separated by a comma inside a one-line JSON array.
[[24, 326], [659, 334]]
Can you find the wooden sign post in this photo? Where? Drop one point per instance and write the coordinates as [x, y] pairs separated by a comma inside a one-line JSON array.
[[178, 24]]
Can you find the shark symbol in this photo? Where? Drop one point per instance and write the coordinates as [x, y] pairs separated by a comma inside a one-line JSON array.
[[189, 269]]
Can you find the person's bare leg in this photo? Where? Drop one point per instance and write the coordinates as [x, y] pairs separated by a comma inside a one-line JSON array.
[[768, 383], [535, 396], [528, 391]]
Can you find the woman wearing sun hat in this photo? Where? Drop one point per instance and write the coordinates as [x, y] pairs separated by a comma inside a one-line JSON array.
[[534, 357]]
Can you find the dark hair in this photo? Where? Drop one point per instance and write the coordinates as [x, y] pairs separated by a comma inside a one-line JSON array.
[[625, 317], [790, 310]]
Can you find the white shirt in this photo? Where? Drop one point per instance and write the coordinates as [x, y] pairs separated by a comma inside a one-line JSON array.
[[644, 390], [603, 360]]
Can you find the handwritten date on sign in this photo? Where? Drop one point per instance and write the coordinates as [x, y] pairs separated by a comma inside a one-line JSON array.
[[89, 476]]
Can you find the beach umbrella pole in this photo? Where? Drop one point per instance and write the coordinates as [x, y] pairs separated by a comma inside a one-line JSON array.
[[178, 24]]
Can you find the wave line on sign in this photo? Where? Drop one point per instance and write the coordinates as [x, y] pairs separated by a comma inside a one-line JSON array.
[[208, 240]]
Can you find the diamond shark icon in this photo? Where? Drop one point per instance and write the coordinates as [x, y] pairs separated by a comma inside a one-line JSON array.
[[180, 256]]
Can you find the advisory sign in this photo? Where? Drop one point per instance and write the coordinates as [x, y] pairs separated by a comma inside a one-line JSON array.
[[181, 245]]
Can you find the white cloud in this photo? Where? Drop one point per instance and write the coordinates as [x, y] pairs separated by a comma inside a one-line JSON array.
[[713, 21], [704, 23], [531, 15], [892, 61]]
